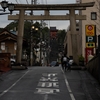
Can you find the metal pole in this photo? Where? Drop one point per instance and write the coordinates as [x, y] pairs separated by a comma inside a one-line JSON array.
[[35, 2], [31, 54], [4, 13], [40, 55], [99, 57], [41, 42]]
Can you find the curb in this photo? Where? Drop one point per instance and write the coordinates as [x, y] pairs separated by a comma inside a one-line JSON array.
[[78, 68], [19, 67]]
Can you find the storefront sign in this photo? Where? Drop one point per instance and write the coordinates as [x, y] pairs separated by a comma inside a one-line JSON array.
[[90, 36], [88, 51]]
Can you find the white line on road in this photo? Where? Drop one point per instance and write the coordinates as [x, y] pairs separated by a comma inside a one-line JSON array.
[[69, 89], [13, 85]]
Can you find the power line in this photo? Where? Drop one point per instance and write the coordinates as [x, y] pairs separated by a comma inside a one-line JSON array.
[[27, 1], [41, 1], [46, 1], [20, 1], [16, 1]]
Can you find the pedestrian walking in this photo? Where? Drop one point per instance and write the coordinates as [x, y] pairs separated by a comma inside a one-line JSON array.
[[64, 62], [70, 63]]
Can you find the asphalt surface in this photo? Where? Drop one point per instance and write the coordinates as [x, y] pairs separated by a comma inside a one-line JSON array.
[[48, 83]]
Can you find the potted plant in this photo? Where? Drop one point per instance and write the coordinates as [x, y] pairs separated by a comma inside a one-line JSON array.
[[81, 60]]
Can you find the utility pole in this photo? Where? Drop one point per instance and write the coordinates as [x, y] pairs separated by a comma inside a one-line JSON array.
[[41, 42], [80, 30], [31, 54]]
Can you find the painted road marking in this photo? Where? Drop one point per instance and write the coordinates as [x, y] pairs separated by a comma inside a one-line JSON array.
[[68, 87], [48, 79], [48, 84], [5, 91], [49, 74], [46, 90]]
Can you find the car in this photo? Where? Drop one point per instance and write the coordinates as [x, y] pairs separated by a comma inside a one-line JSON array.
[[12, 60], [54, 63]]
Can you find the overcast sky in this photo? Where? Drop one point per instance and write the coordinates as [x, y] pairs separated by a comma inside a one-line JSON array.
[[59, 24]]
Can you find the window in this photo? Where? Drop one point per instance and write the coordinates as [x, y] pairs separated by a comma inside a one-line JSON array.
[[93, 16], [3, 46]]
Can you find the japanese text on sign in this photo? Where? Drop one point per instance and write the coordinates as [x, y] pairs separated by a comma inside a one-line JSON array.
[[90, 30], [48, 84]]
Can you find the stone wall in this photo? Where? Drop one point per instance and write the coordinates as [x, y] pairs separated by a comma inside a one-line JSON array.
[[5, 62], [93, 67]]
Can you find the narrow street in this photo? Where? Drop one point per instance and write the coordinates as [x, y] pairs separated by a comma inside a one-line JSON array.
[[48, 83]]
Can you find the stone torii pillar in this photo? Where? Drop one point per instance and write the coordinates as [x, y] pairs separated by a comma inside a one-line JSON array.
[[73, 35], [72, 17], [20, 36]]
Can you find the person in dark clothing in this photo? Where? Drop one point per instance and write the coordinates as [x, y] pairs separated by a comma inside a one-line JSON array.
[[70, 62], [64, 62]]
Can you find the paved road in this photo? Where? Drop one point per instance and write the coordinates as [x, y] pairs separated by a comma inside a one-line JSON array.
[[48, 83]]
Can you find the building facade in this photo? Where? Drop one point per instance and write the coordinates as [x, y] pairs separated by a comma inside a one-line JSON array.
[[8, 42], [90, 22], [81, 33]]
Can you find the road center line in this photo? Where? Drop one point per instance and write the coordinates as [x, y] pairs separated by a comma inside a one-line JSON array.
[[68, 87], [13, 84]]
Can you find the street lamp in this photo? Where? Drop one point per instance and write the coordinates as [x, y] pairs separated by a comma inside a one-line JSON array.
[[10, 7], [5, 4]]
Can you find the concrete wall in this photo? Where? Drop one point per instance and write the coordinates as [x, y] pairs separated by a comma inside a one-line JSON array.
[[93, 67]]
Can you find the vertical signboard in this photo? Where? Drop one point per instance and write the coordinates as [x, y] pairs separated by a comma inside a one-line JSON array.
[[90, 36], [88, 51]]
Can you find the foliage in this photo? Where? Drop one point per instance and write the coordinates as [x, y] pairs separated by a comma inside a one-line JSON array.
[[61, 36], [1, 29], [81, 58], [12, 25], [35, 34], [27, 29]]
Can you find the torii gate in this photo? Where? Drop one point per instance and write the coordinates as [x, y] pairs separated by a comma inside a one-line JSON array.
[[72, 17]]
